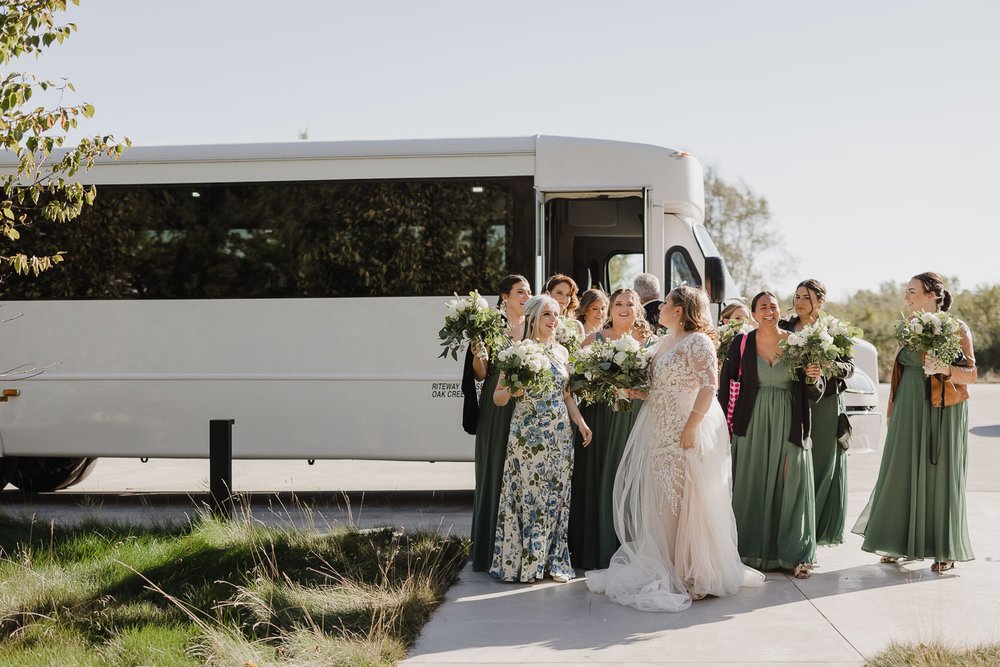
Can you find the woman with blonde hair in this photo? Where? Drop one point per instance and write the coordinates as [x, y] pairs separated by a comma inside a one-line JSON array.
[[672, 509], [533, 518], [597, 540]]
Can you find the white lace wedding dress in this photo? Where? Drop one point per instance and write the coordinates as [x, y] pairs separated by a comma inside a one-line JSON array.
[[673, 511]]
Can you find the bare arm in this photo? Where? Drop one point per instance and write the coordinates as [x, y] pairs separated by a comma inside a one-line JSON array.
[[577, 418]]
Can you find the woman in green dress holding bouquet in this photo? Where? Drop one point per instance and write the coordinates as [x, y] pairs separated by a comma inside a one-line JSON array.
[[611, 430], [773, 490], [917, 508], [591, 315], [533, 519], [829, 457], [493, 427]]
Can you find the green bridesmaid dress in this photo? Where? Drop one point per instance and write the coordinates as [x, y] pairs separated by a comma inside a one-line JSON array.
[[917, 508], [829, 471], [586, 484], [492, 432], [615, 429], [773, 494]]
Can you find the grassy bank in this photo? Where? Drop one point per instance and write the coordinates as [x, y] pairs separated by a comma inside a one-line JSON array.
[[215, 593], [936, 654]]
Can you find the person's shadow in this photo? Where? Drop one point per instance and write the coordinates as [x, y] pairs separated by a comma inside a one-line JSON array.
[[992, 431]]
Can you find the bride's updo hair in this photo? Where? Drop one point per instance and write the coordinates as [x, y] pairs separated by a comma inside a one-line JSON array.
[[933, 282], [695, 315], [533, 314]]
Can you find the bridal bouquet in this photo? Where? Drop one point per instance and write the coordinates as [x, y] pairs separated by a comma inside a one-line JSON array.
[[526, 366], [727, 332], [569, 334], [813, 345], [605, 368], [844, 334], [469, 319], [935, 334]]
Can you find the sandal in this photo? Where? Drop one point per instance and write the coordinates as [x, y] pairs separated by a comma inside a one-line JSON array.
[[942, 565], [889, 560], [802, 571]]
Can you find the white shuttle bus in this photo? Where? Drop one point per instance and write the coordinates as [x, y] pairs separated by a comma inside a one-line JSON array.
[[298, 288]]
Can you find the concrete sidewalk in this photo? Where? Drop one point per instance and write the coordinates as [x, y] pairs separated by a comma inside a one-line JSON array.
[[852, 606]]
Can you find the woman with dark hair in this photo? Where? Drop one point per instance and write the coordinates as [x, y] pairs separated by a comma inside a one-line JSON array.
[[829, 457], [563, 289], [593, 310], [774, 498], [917, 508], [492, 426], [533, 517], [596, 539], [592, 315], [671, 493]]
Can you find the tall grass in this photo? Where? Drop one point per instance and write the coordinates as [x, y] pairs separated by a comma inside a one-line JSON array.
[[936, 654], [216, 592]]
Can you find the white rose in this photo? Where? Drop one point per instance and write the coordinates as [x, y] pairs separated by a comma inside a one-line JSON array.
[[482, 304], [917, 328], [620, 357]]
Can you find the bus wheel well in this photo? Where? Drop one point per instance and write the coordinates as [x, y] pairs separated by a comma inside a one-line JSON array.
[[44, 473]]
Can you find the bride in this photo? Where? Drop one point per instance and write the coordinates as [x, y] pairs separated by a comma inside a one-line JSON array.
[[672, 492]]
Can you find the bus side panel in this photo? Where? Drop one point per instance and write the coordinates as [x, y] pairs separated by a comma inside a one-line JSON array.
[[304, 378]]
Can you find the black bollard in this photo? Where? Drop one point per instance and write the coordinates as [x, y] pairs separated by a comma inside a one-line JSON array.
[[220, 469]]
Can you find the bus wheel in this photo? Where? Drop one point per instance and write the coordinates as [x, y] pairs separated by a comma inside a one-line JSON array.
[[35, 473]]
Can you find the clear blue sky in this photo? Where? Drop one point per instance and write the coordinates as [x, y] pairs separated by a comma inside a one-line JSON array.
[[870, 126]]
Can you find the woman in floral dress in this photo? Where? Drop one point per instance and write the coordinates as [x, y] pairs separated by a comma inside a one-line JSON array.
[[533, 519]]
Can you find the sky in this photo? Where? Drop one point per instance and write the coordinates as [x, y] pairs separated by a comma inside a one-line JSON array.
[[870, 126]]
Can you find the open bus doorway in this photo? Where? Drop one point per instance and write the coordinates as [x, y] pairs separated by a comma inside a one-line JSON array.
[[597, 238]]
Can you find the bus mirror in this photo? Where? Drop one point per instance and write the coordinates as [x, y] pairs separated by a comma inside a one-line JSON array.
[[715, 279]]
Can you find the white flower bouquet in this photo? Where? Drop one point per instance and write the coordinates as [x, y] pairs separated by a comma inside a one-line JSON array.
[[569, 334], [844, 334], [727, 332], [935, 334], [604, 369], [525, 365], [470, 319], [813, 345]]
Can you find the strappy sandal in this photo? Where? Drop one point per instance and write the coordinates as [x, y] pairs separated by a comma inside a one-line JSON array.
[[889, 560], [802, 571], [942, 565]]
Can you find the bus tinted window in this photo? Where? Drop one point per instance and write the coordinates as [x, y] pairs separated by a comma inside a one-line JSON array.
[[304, 239]]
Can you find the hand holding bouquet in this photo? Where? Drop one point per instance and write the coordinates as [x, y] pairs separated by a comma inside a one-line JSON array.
[[934, 334], [525, 367], [812, 345], [471, 320], [605, 367]]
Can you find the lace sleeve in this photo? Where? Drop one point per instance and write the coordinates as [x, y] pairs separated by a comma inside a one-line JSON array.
[[704, 364]]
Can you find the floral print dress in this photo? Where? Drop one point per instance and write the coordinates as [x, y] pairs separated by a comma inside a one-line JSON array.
[[533, 519]]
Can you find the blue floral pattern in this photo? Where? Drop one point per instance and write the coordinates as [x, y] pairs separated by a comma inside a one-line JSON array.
[[533, 520]]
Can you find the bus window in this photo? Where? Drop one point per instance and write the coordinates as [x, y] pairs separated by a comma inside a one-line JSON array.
[[622, 270], [680, 268]]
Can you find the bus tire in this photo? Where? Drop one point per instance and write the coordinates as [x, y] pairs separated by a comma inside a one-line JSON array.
[[35, 474]]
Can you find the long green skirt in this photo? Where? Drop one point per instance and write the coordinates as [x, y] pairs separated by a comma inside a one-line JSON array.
[[773, 494], [492, 432], [613, 438], [917, 508], [829, 472], [586, 485]]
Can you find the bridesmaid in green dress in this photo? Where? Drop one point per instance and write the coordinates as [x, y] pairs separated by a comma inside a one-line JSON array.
[[829, 458], [917, 508], [493, 428], [611, 429], [592, 313], [773, 490]]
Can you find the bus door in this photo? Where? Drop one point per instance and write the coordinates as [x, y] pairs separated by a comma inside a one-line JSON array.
[[597, 238]]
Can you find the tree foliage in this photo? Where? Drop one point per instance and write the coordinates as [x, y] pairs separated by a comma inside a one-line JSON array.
[[739, 221], [38, 184]]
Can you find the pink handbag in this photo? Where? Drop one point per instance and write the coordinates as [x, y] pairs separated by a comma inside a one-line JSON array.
[[734, 387]]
